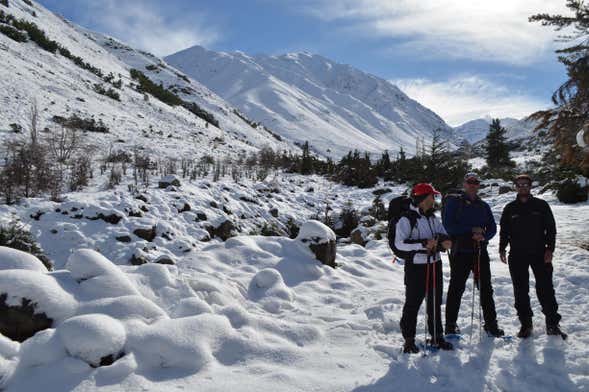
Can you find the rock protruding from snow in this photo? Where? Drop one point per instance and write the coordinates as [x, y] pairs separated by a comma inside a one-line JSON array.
[[166, 181], [97, 339], [320, 239], [98, 276], [31, 301], [16, 259]]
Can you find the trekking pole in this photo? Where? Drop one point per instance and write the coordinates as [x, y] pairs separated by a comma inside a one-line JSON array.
[[426, 318], [479, 287], [472, 304], [434, 294]]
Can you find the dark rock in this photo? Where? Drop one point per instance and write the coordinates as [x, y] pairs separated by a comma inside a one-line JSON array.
[[248, 199], [214, 204], [357, 237], [227, 210], [143, 198], [274, 212], [224, 231], [109, 359], [124, 238], [112, 218], [78, 216], [20, 322], [381, 191], [325, 252], [201, 216], [53, 231], [165, 260], [138, 259], [144, 208], [185, 208], [135, 214], [169, 181], [146, 234], [37, 215], [504, 189]]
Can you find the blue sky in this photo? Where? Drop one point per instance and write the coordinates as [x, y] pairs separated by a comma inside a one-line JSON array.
[[462, 59]]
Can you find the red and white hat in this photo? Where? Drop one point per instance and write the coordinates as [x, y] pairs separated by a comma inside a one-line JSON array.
[[424, 189]]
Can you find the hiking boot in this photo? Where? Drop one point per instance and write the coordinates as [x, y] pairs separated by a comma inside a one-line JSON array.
[[525, 331], [443, 344], [409, 347], [452, 329], [494, 330], [554, 329]]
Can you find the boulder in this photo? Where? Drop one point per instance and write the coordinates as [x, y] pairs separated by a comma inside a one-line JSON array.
[[166, 181], [274, 212], [148, 234], [321, 241], [358, 237], [20, 322], [224, 231], [504, 189], [165, 259]]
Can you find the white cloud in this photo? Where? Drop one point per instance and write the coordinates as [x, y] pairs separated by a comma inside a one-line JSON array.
[[146, 25], [468, 97], [489, 30]]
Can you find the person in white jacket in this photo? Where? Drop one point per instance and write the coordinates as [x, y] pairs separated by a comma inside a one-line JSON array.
[[422, 235]]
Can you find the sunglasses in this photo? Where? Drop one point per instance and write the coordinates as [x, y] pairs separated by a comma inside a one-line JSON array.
[[522, 185], [473, 182]]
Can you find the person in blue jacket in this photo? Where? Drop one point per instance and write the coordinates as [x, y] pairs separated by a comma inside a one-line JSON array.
[[470, 225]]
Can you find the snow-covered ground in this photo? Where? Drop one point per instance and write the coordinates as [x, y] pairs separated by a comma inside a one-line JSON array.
[[259, 313]]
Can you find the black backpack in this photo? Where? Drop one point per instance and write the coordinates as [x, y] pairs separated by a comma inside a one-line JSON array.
[[400, 207]]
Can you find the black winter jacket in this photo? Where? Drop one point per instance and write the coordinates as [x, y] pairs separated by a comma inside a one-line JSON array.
[[527, 227]]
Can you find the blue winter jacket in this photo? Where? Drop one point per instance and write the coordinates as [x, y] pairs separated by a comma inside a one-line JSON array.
[[461, 215]]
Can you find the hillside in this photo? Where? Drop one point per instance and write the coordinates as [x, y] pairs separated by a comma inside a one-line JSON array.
[[74, 79], [303, 96]]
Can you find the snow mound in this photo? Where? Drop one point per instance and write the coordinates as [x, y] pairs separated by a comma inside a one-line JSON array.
[[16, 259], [42, 349], [191, 307], [124, 308], [181, 343], [268, 287], [93, 337], [8, 348], [44, 292], [98, 277], [316, 231]]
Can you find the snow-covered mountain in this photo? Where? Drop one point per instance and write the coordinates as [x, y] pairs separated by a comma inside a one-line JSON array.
[[72, 80], [476, 130], [305, 96]]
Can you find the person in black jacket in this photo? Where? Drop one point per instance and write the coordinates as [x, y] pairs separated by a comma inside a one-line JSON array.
[[528, 227]]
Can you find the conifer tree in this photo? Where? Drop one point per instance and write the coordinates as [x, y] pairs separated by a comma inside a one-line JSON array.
[[497, 153]]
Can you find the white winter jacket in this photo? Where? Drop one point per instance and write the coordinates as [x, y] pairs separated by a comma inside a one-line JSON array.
[[425, 228]]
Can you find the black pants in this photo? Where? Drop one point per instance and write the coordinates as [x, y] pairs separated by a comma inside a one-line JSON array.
[[519, 264], [460, 266], [415, 280]]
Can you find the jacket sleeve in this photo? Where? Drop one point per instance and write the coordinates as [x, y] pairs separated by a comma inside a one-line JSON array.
[[449, 218], [550, 227], [440, 230], [402, 233], [505, 229], [491, 226]]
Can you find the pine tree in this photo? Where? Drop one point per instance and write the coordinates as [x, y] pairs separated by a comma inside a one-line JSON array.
[[571, 101], [306, 160], [497, 153]]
